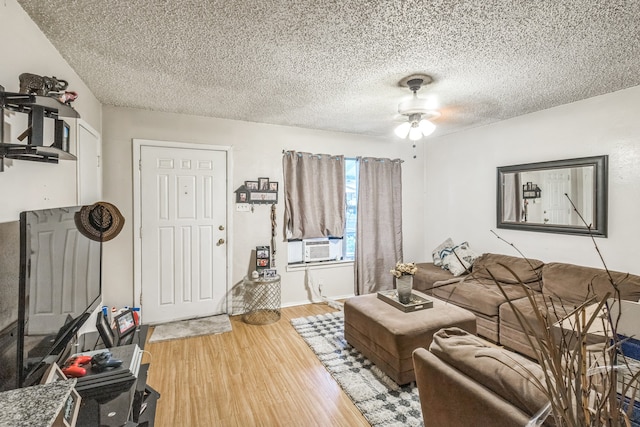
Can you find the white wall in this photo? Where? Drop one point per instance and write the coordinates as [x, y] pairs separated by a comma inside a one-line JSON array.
[[257, 152], [461, 179], [28, 185]]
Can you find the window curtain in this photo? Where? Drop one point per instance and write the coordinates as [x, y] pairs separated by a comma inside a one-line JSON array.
[[512, 198], [379, 229], [314, 195]]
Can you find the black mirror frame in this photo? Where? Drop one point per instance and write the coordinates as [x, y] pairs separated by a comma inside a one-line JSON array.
[[601, 164]]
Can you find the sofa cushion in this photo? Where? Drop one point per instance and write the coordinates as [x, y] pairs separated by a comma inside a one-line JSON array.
[[575, 283], [527, 270], [507, 374], [459, 259], [552, 309], [473, 295], [437, 258]]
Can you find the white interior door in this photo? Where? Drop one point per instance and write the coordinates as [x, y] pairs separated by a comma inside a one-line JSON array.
[[183, 217], [556, 184]]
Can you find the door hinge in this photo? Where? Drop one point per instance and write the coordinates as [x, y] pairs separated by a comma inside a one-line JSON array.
[[141, 232], [140, 164]]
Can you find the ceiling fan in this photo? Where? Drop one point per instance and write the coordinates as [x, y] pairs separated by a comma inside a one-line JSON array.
[[417, 111]]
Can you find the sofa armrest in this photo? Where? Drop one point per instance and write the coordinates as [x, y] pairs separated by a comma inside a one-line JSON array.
[[430, 275], [450, 398]]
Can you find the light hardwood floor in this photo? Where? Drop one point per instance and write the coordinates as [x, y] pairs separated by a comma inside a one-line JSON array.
[[253, 376]]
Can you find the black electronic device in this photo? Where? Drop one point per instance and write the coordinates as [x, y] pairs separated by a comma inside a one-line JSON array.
[[125, 327], [105, 331], [59, 288]]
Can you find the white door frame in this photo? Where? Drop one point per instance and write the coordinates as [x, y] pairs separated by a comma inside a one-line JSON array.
[[137, 241], [83, 124]]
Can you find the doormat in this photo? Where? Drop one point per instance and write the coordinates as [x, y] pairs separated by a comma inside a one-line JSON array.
[[191, 328], [378, 397]]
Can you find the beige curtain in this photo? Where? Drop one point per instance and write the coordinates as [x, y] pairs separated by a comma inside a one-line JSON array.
[[379, 230], [512, 198], [314, 195]]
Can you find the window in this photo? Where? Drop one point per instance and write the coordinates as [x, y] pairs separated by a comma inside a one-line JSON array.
[[341, 249], [351, 195]]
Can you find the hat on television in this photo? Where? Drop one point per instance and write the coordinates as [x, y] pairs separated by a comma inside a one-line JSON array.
[[100, 221]]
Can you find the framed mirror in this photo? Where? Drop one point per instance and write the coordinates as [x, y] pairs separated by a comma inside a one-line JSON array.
[[538, 196]]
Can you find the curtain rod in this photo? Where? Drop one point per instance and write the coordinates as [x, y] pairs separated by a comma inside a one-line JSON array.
[[392, 160]]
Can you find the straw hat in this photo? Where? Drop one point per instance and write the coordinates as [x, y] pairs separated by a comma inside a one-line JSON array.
[[101, 221]]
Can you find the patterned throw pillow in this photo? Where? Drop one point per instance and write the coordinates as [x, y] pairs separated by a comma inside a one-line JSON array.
[[437, 258], [458, 259]]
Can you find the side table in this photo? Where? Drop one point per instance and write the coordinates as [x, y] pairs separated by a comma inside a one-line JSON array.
[[261, 300]]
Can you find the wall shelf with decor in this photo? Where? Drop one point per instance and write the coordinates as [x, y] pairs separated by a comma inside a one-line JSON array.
[[261, 192], [38, 109]]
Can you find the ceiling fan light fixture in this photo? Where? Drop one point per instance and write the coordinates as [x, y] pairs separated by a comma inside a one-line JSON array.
[[417, 110], [414, 105], [415, 133], [402, 130], [426, 127]]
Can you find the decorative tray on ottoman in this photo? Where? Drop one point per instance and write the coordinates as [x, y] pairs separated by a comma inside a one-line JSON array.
[[416, 303]]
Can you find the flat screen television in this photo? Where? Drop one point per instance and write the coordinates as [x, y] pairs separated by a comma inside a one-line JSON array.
[[60, 286]]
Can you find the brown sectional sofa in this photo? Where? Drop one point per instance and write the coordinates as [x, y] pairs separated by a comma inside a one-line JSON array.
[[556, 287], [483, 377]]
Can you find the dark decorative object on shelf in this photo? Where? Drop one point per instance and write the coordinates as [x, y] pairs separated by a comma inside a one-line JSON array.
[[41, 85], [38, 108]]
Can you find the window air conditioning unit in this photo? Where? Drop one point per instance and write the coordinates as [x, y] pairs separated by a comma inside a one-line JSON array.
[[317, 250]]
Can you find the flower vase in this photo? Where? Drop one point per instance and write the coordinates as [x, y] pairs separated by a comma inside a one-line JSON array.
[[404, 285]]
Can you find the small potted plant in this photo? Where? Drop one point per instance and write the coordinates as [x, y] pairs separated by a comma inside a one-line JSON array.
[[403, 273]]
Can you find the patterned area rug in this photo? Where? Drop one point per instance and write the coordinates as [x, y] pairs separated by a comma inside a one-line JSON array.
[[191, 328], [378, 397]]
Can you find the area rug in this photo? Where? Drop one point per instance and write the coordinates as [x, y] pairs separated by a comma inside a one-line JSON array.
[[191, 328], [378, 397]]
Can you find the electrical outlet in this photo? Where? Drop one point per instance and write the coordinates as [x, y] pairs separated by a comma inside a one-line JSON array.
[[243, 207]]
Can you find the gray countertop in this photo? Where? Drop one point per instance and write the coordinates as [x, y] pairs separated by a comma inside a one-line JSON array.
[[35, 406]]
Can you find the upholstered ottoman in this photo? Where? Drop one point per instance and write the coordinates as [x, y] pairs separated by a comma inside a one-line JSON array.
[[387, 336]]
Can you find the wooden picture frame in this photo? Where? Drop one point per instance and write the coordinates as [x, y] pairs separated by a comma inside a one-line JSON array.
[[263, 184], [68, 414], [242, 196], [263, 258], [251, 185], [269, 273], [273, 186]]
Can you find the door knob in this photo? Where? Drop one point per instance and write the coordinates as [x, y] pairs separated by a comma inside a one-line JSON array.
[[221, 228], [220, 242]]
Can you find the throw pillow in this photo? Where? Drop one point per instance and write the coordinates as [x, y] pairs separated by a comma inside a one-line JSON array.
[[459, 259], [437, 258]]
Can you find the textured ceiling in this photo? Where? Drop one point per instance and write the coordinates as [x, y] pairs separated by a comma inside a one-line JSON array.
[[336, 64]]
